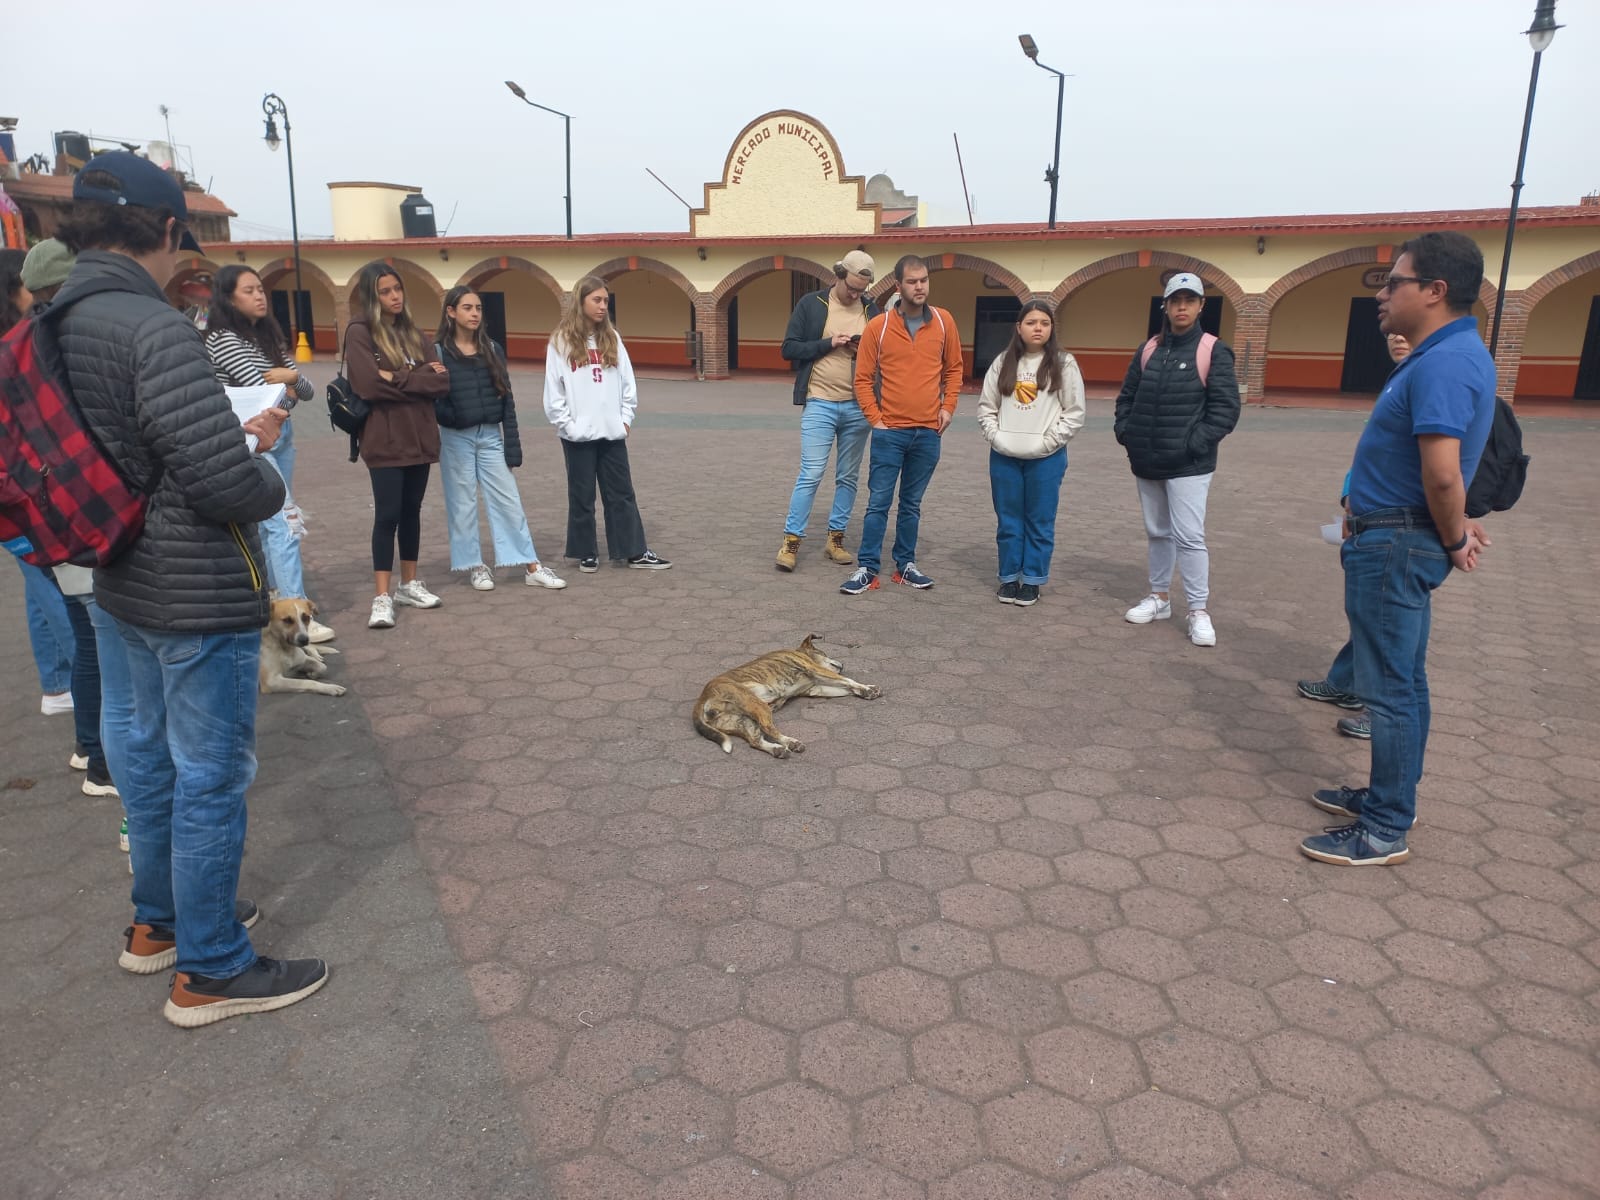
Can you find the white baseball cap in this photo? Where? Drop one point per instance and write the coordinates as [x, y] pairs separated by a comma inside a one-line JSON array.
[[1184, 281]]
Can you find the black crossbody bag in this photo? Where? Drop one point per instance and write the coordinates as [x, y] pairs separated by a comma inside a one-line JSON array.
[[347, 412]]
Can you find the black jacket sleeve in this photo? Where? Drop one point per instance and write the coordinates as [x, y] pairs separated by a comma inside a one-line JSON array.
[[1130, 386], [1221, 412], [801, 340], [509, 432]]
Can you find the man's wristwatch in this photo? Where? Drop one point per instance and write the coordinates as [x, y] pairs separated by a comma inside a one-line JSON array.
[[1461, 545]]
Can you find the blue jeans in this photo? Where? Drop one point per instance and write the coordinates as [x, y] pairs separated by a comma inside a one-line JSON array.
[[116, 691], [182, 766], [1389, 579], [906, 457], [472, 462], [49, 630], [821, 424], [1026, 493], [283, 551], [1342, 673], [86, 681]]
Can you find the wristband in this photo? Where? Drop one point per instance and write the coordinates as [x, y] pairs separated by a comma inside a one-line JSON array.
[[1461, 545]]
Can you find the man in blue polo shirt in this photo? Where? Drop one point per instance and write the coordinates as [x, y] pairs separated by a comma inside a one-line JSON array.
[[1407, 529]]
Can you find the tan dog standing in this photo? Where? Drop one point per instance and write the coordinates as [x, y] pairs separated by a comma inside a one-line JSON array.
[[741, 702], [289, 662]]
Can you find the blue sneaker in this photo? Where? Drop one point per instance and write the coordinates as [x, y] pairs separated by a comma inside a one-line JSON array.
[[911, 577], [861, 580], [1353, 846], [1345, 802]]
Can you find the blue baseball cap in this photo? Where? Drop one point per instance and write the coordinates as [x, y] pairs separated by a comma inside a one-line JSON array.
[[140, 183]]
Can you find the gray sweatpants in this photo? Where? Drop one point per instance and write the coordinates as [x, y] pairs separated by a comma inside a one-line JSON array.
[[1175, 524]]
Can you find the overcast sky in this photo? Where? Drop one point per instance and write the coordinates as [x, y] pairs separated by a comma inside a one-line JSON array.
[[1193, 108]]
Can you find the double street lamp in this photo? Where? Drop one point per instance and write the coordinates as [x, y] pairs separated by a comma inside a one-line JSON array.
[[523, 96], [1540, 34], [273, 106], [1052, 174]]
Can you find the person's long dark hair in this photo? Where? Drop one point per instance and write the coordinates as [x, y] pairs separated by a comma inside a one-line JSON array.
[[263, 334], [481, 341], [11, 288], [1049, 378]]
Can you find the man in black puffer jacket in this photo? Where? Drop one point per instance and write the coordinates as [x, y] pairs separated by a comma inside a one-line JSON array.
[[181, 609], [1179, 399]]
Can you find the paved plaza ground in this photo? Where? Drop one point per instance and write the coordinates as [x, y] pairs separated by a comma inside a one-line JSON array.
[[1032, 925]]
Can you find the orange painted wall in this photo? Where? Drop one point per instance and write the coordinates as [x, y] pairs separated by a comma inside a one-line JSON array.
[[1548, 377]]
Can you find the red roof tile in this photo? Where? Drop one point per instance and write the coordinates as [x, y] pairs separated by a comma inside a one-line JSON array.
[[58, 189]]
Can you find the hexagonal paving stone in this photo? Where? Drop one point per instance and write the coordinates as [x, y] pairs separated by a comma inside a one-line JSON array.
[[1315, 1069], [1222, 1007], [626, 1052], [667, 1126], [1042, 951], [980, 906], [1012, 869], [1431, 1142], [792, 1129], [689, 996], [852, 1059], [919, 1132], [1143, 955], [855, 1179], [847, 947], [727, 1178], [944, 949], [1045, 1133], [902, 1000], [1089, 1066], [1188, 1063], [1303, 1140], [1009, 1001], [737, 1056], [991, 1181], [1142, 1129], [749, 946], [1448, 1075], [795, 998], [889, 904], [799, 904], [1122, 1005], [971, 1061]]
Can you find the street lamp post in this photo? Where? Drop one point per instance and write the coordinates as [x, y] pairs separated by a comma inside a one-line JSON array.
[[1540, 34], [273, 106], [523, 96], [1052, 174]]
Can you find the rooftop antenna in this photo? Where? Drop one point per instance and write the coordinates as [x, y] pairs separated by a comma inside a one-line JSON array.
[[166, 115], [668, 186], [966, 194], [446, 231]]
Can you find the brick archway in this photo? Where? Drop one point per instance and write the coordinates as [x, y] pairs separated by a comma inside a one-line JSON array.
[[1519, 310], [479, 273], [1134, 259], [758, 267], [1549, 282], [633, 262], [1004, 276], [281, 269], [189, 269]]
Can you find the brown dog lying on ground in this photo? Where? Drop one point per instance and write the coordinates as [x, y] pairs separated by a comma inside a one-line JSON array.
[[740, 702], [289, 662]]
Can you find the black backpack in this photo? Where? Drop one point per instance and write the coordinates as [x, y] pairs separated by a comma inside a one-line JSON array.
[[347, 412], [1503, 469]]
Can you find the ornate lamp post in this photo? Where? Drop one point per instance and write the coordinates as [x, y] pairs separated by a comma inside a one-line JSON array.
[[273, 106]]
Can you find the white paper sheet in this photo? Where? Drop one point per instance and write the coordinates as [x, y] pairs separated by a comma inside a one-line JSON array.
[[251, 401]]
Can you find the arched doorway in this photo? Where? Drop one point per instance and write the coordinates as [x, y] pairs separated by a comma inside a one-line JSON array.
[[653, 305], [318, 301], [189, 289], [1561, 349], [756, 300], [1106, 310], [521, 304]]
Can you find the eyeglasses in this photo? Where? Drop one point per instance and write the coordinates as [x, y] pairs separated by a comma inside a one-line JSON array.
[[1391, 282]]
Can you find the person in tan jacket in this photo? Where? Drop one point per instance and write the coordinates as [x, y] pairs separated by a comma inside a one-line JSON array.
[[1032, 404]]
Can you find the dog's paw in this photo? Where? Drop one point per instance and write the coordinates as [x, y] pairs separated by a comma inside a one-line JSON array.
[[334, 689], [873, 692], [778, 751], [796, 745]]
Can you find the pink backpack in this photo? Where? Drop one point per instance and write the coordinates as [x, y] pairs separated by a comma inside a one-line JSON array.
[[1202, 354]]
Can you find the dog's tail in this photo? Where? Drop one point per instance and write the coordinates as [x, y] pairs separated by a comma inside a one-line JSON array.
[[706, 731]]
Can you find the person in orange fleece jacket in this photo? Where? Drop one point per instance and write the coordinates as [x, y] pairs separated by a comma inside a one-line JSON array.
[[908, 379]]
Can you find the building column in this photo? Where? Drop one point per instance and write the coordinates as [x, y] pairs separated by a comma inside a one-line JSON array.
[[1252, 325], [711, 319], [1508, 354]]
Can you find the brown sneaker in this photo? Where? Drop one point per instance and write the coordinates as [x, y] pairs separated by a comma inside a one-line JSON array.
[[788, 552], [269, 983], [153, 948], [834, 551]]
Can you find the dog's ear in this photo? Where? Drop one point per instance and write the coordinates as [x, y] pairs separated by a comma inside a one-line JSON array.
[[810, 637], [311, 606]]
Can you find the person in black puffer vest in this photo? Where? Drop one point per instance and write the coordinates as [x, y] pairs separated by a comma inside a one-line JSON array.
[[1179, 399], [478, 446]]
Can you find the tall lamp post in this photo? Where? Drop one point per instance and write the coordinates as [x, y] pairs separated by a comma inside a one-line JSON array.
[[523, 96], [1540, 34], [273, 106], [1052, 174]]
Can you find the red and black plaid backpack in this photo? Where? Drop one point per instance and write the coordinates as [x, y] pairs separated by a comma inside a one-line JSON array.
[[62, 498]]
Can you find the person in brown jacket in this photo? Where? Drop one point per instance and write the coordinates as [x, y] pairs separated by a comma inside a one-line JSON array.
[[392, 366]]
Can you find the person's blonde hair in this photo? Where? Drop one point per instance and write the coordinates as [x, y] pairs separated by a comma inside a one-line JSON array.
[[573, 333], [397, 338]]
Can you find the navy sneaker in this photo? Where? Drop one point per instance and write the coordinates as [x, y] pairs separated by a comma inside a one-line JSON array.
[[1345, 802], [1321, 689], [266, 984], [1027, 594], [1353, 846], [1355, 727], [861, 580], [1008, 592], [588, 565], [911, 577]]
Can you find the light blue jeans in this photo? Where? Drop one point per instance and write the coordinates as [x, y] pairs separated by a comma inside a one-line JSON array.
[[180, 733], [116, 693], [821, 424], [472, 463], [282, 551], [49, 629]]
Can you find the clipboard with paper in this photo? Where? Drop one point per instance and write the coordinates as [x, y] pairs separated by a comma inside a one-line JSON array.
[[250, 402]]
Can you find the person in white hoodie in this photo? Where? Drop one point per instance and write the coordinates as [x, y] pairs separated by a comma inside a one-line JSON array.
[[1032, 404], [590, 397]]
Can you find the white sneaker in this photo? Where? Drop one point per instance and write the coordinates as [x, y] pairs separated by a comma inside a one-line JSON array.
[[382, 613], [1201, 632], [319, 633], [1151, 608], [543, 576], [416, 594], [54, 706], [482, 578]]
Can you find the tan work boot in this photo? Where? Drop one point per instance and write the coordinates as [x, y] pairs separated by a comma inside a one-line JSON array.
[[788, 552], [835, 550]]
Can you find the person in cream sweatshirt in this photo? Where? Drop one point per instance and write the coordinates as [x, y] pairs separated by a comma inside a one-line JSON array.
[[1032, 404]]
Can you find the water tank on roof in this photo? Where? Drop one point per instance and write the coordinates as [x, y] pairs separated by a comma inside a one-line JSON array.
[[416, 217], [74, 145]]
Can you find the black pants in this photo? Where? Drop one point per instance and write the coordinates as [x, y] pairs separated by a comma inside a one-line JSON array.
[[397, 494], [604, 463]]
